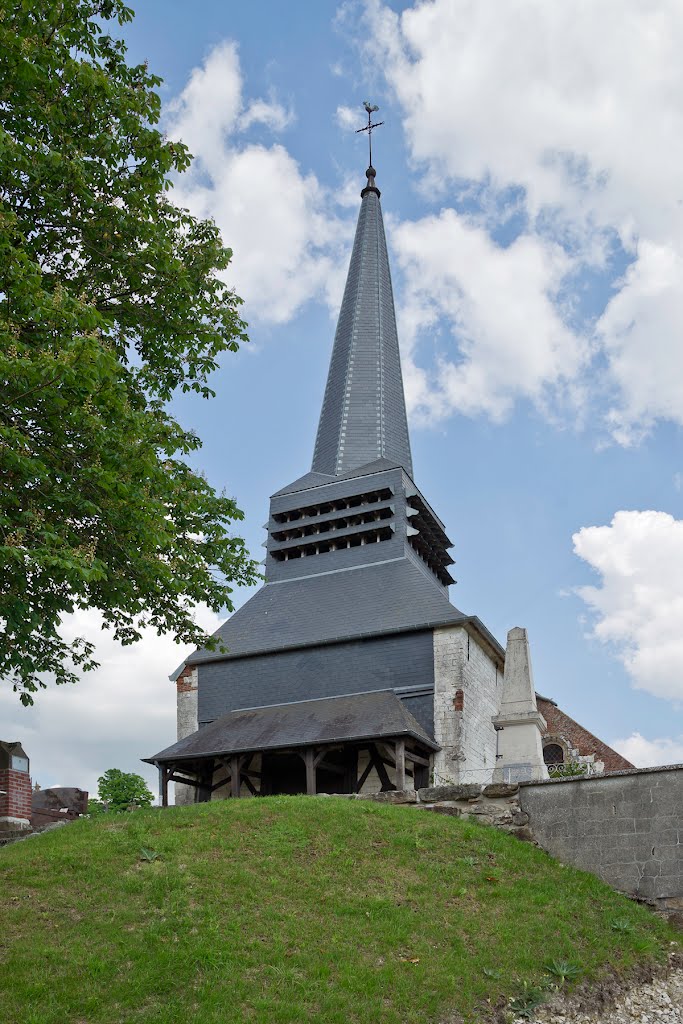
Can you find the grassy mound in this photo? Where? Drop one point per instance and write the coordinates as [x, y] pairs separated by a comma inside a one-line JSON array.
[[293, 909]]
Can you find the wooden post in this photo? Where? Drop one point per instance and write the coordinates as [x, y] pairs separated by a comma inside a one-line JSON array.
[[378, 763], [205, 779], [310, 771], [163, 786], [400, 758], [350, 770], [236, 775], [421, 775]]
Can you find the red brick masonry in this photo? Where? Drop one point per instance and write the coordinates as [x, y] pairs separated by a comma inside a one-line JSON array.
[[17, 787], [561, 725], [184, 681]]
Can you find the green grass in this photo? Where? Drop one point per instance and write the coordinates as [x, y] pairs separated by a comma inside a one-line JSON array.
[[292, 909]]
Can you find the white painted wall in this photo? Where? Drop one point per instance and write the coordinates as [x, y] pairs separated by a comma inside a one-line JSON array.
[[225, 792], [187, 723], [467, 737]]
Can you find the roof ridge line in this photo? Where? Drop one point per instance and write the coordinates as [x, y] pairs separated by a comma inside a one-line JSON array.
[[309, 700], [331, 572]]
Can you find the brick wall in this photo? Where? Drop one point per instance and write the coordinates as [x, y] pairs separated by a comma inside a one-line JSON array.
[[466, 696], [16, 801], [187, 680], [561, 726]]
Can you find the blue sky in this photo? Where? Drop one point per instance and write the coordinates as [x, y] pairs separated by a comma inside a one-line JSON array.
[[530, 166]]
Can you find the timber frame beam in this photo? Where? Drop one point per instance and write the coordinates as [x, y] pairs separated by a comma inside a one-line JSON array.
[[397, 754]]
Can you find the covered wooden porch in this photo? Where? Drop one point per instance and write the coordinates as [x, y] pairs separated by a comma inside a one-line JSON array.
[[333, 745]]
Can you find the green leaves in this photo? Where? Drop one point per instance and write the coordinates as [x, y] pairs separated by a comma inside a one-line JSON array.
[[123, 791], [563, 970], [149, 856], [622, 926], [527, 1002], [110, 299]]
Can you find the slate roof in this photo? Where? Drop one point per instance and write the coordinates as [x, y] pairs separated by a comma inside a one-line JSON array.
[[302, 483], [384, 597], [368, 469], [363, 416], [353, 717], [308, 480]]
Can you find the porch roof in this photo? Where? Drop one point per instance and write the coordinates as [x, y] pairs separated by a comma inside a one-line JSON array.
[[349, 718]]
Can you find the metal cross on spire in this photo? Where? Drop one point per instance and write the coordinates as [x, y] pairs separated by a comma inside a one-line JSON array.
[[369, 126]]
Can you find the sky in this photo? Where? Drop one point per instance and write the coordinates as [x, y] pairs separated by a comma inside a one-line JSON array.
[[531, 169]]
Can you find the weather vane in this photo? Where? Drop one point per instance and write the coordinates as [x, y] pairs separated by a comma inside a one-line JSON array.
[[369, 126]]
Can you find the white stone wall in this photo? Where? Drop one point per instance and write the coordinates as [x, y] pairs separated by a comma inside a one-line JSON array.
[[373, 783], [188, 685], [467, 737], [225, 792]]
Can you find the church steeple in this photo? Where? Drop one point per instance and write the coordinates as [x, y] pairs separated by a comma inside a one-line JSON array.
[[363, 416]]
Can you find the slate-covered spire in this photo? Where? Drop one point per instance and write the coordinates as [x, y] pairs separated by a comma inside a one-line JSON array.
[[363, 417]]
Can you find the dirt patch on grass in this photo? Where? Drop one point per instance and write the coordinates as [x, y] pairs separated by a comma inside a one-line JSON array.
[[647, 993]]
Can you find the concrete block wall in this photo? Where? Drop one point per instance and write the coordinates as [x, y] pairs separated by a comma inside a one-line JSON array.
[[625, 827], [187, 686], [466, 696], [15, 799]]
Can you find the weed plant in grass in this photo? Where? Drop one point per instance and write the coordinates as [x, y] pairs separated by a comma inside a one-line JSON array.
[[287, 910]]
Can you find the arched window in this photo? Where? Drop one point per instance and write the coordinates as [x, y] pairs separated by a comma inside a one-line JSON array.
[[553, 753]]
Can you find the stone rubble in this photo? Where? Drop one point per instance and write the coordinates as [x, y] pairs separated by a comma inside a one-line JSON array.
[[659, 1001], [29, 833]]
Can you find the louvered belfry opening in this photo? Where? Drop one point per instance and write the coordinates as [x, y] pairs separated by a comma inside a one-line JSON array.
[[333, 525]]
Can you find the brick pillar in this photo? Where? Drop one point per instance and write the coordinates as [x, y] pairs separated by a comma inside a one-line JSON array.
[[15, 799]]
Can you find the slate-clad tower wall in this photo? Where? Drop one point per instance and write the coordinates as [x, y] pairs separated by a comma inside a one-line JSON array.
[[354, 550], [363, 415], [357, 567], [354, 611], [357, 563]]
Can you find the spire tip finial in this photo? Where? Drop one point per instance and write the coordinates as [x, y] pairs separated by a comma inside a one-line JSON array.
[[370, 109]]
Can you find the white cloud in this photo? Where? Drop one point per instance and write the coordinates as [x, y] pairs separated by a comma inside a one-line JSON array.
[[115, 715], [641, 332], [638, 606], [346, 118], [575, 113], [272, 114], [490, 298], [645, 753], [575, 104], [287, 243], [209, 106]]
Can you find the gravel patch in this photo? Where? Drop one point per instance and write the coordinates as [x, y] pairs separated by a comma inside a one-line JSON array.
[[659, 1001]]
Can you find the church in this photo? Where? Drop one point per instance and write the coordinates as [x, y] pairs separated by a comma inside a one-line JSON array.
[[350, 671]]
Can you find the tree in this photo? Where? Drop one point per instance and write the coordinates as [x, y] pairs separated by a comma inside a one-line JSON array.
[[120, 791], [111, 299]]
